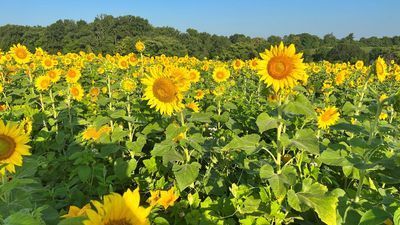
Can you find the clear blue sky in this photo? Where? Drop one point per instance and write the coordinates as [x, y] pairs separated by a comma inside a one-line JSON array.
[[262, 18]]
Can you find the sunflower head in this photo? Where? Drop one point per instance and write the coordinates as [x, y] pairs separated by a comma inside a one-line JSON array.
[[163, 92], [117, 209], [128, 85], [76, 92], [13, 145], [328, 117], [381, 69], [42, 83], [281, 67], [20, 53], [139, 45], [221, 74], [73, 75]]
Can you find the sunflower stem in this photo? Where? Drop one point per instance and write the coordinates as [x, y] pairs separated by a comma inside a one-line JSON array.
[[69, 112], [128, 109], [278, 134], [110, 97]]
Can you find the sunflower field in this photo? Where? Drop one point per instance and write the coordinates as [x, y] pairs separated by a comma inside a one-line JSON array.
[[139, 139]]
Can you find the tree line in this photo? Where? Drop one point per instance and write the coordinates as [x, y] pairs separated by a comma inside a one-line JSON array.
[[108, 34]]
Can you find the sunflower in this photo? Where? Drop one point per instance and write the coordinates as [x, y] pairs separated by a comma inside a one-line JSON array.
[[12, 147], [199, 95], [221, 74], [340, 77], [54, 75], [73, 75], [1, 89], [76, 92], [380, 66], [128, 85], [42, 83], [76, 211], [117, 209], [48, 63], [168, 198], [20, 53], [94, 92], [26, 125], [180, 76], [193, 106], [281, 67], [359, 65], [140, 46], [253, 64], [237, 64], [328, 117], [194, 76], [123, 63], [163, 92]]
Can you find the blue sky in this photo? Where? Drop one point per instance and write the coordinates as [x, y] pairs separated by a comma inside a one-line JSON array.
[[260, 18]]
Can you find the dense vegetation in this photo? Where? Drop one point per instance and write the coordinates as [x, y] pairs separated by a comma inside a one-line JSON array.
[[108, 34]]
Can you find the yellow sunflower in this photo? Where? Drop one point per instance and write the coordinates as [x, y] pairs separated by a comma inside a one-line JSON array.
[[163, 92], [42, 83], [73, 75], [26, 125], [140, 46], [193, 106], [281, 67], [194, 76], [1, 89], [221, 74], [253, 64], [128, 85], [76, 211], [168, 198], [237, 64], [199, 95], [117, 209], [48, 63], [20, 53], [13, 145], [123, 63], [328, 117], [380, 66], [359, 65], [54, 75], [76, 92]]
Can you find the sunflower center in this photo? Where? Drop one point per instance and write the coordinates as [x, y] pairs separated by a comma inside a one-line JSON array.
[[21, 53], [220, 75], [119, 222], [165, 90], [75, 91], [379, 68], [7, 147], [124, 64], [327, 115], [280, 67], [48, 63], [71, 74]]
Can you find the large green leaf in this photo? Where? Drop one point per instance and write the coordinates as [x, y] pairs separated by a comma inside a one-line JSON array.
[[186, 174], [306, 140], [313, 195], [248, 143], [265, 122], [334, 158], [301, 106], [374, 216]]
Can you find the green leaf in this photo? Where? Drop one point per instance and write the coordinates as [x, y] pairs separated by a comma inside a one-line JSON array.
[[265, 122], [306, 140], [374, 216], [266, 171], [314, 195], [100, 121], [84, 173], [277, 182], [137, 146], [301, 106], [201, 117], [150, 164], [72, 221], [250, 205], [160, 221], [186, 174], [248, 143], [334, 158], [123, 169], [22, 218], [118, 134], [117, 114], [396, 217]]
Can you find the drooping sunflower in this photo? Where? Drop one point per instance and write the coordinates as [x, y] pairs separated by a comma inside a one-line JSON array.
[[73, 75], [20, 53], [163, 92], [13, 145], [281, 67], [76, 92], [117, 209], [221, 74], [328, 117], [42, 83], [381, 67]]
